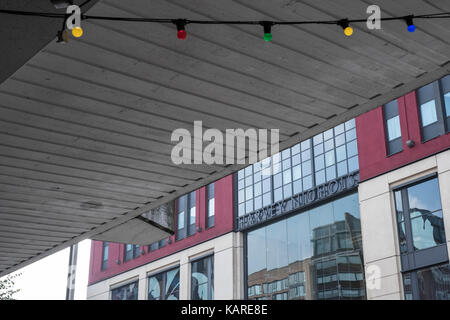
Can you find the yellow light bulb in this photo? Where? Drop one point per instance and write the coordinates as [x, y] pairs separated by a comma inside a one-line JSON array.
[[77, 32], [348, 31]]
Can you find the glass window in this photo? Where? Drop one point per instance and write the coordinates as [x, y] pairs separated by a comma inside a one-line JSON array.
[[306, 155], [287, 190], [342, 168], [329, 145], [320, 177], [319, 163], [128, 252], [164, 285], [249, 193], [136, 251], [318, 139], [305, 144], [295, 149], [393, 128], [306, 168], [447, 104], [287, 176], [296, 172], [297, 185], [328, 134], [340, 139], [105, 255], [299, 168], [202, 279], [296, 160], [181, 216], [329, 158], [433, 101], [340, 153], [126, 292], [192, 209], [432, 283], [278, 194], [315, 254], [154, 246], [428, 113], [426, 214], [331, 173], [186, 225], [421, 236], [352, 149], [350, 124], [339, 129], [307, 182], [350, 135], [353, 164], [210, 205]]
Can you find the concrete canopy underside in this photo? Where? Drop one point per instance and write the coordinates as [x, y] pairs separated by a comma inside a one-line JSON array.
[[85, 127]]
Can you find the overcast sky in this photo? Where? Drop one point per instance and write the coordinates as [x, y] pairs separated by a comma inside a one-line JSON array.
[[46, 279]]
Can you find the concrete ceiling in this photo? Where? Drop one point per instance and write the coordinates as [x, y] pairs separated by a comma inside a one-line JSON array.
[[85, 126]]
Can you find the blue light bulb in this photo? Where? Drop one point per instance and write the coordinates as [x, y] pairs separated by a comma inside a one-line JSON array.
[[411, 28]]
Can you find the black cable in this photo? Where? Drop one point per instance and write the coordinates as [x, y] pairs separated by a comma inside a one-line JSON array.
[[443, 15]]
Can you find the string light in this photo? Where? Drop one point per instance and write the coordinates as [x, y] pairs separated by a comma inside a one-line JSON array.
[[267, 25], [181, 23], [77, 32], [410, 23], [181, 32], [344, 23]]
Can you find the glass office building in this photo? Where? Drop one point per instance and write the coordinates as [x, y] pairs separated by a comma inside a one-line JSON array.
[[306, 241]]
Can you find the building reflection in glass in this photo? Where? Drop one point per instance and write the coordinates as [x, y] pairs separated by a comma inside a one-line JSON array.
[[125, 292], [316, 254], [433, 283]]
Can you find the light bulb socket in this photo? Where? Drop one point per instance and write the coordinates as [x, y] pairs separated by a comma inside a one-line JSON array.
[[343, 23], [180, 23], [267, 26], [410, 23]]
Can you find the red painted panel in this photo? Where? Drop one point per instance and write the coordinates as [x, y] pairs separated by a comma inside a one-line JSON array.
[[373, 159], [222, 225]]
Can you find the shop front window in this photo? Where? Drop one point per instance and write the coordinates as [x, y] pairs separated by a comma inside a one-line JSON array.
[[125, 292], [422, 240], [202, 279], [164, 285], [316, 254]]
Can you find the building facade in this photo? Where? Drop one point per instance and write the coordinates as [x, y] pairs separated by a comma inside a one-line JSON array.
[[360, 211], [404, 194]]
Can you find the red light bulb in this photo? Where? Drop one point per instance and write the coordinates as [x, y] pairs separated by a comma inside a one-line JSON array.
[[181, 34]]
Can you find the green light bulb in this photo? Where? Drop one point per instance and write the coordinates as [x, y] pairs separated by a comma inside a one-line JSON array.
[[267, 37]]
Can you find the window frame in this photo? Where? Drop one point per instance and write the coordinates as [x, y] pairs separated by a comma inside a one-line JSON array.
[[135, 253], [188, 228], [157, 245], [390, 111], [112, 288], [164, 282], [433, 91], [416, 260], [210, 276], [104, 265], [210, 195]]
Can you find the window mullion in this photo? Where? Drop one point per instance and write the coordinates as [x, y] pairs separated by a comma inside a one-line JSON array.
[[407, 219], [440, 105]]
